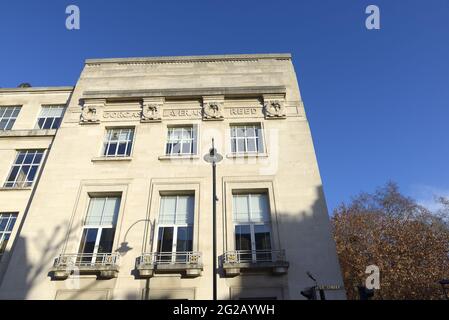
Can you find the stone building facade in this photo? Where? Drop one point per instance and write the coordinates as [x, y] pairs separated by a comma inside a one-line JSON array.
[[107, 194]]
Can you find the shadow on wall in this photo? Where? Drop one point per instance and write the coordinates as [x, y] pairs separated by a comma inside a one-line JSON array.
[[21, 276], [307, 239]]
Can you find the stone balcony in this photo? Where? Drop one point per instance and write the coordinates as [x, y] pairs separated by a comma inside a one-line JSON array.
[[104, 265], [188, 264], [273, 261]]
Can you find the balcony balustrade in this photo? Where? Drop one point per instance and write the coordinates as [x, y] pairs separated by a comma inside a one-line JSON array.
[[234, 262], [105, 265], [187, 263]]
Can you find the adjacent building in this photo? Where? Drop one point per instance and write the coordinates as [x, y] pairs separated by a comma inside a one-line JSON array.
[[106, 194]]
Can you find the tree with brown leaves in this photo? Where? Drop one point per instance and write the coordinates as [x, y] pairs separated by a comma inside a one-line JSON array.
[[408, 243]]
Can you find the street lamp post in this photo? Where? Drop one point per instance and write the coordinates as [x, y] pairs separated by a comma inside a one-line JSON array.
[[214, 157]]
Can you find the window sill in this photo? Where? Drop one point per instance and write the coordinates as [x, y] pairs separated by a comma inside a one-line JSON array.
[[246, 155], [173, 157], [27, 133], [15, 188], [105, 159]]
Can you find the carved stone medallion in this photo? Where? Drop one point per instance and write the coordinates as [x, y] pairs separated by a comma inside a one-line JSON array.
[[213, 110], [274, 109]]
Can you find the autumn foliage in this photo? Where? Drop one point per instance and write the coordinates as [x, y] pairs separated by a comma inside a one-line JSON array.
[[408, 243]]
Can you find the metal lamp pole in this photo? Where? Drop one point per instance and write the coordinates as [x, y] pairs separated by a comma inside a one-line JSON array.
[[214, 157]]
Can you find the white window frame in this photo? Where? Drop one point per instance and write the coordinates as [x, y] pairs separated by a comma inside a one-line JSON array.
[[252, 224], [26, 182], [175, 225], [258, 138], [107, 142], [10, 217], [11, 118], [99, 227], [192, 141], [42, 116]]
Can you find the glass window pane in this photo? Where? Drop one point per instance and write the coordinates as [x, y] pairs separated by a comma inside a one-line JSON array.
[[259, 208], [56, 123], [128, 149], [95, 211], [187, 133], [10, 124], [114, 135], [29, 158], [169, 148], [168, 210], [185, 210], [243, 240], [123, 135], [15, 113], [3, 124], [260, 141], [22, 175], [48, 122], [12, 221], [40, 123], [184, 241], [3, 243], [262, 237], [8, 112], [106, 240], [176, 148], [241, 145], [187, 148], [38, 158], [88, 240], [13, 174], [177, 133], [32, 173], [121, 149], [240, 132], [251, 145], [251, 132], [241, 208], [20, 157], [233, 145], [112, 149], [3, 223], [110, 211], [165, 239]]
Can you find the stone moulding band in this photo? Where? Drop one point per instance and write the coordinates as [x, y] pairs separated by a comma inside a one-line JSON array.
[[186, 92], [187, 59]]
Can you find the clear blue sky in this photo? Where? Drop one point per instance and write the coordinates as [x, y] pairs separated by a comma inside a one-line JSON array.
[[377, 101]]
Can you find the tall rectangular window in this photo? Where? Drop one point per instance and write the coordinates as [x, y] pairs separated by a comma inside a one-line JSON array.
[[118, 142], [181, 140], [99, 228], [7, 221], [50, 117], [8, 116], [175, 227], [246, 139], [24, 169], [251, 217]]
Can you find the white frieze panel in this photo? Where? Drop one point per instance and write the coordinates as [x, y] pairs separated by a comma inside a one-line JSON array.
[[128, 115], [182, 113]]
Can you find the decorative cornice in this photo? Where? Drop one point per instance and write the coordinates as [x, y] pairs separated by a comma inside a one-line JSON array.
[[186, 92], [36, 90], [187, 59]]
